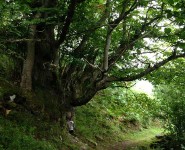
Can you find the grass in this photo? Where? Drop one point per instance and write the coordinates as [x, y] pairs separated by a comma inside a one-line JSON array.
[[22, 130], [20, 137], [92, 121], [144, 137]]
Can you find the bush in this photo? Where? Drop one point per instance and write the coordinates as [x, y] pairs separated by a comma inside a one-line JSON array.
[[173, 109], [112, 110], [128, 104], [6, 66]]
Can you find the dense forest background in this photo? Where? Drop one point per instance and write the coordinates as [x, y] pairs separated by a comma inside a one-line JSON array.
[[62, 57]]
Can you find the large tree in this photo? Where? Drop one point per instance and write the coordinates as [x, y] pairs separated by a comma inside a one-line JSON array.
[[78, 47]]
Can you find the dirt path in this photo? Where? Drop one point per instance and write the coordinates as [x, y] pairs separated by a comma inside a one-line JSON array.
[[137, 140], [123, 145]]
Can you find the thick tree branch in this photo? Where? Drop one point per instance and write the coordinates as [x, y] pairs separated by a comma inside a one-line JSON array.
[[70, 14], [111, 26], [78, 50], [107, 80], [106, 51], [85, 98], [146, 71], [108, 41], [68, 20], [22, 40]]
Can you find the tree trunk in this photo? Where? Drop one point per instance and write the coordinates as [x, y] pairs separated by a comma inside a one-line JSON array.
[[46, 58], [26, 79]]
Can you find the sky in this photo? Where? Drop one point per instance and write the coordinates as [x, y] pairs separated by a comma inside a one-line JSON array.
[[144, 86]]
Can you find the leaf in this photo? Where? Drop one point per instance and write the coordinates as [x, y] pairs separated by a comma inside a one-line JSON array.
[[167, 30], [169, 13], [171, 2], [181, 45], [138, 51]]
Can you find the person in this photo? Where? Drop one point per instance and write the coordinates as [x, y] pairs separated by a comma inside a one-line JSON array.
[[69, 119], [70, 125]]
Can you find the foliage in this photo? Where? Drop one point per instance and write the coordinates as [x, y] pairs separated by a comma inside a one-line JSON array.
[[6, 66], [115, 111], [173, 72], [137, 106], [173, 107], [71, 40], [169, 92]]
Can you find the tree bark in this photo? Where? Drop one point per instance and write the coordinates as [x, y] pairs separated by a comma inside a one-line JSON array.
[[106, 51], [26, 79]]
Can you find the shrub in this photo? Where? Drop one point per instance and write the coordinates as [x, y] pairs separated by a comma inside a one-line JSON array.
[[173, 109], [6, 66]]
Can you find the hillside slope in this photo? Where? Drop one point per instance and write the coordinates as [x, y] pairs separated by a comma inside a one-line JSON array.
[[102, 122]]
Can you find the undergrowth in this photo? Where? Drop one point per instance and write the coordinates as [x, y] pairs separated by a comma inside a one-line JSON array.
[[24, 130], [109, 116], [20, 134], [105, 120]]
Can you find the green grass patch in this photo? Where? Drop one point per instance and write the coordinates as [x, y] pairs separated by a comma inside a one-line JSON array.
[[144, 137], [17, 137]]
